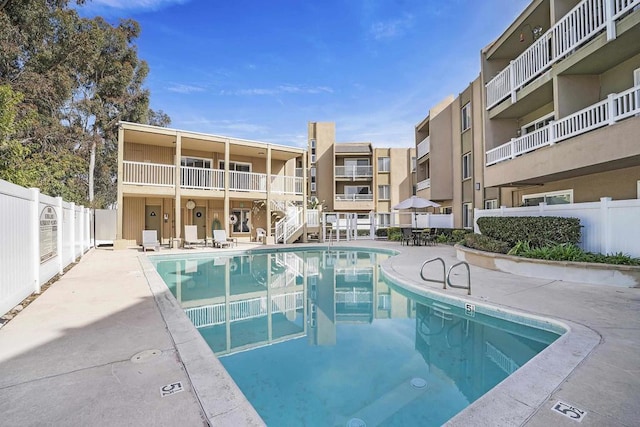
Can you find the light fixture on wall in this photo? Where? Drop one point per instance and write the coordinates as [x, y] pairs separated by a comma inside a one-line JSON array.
[[477, 186], [536, 32], [191, 204]]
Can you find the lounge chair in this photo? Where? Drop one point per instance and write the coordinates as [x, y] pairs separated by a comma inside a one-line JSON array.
[[150, 240], [261, 235], [220, 239], [191, 236]]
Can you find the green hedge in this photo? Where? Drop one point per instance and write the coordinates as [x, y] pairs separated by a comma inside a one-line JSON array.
[[485, 243], [537, 230]]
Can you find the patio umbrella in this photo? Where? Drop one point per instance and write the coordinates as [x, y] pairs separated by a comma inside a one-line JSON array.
[[415, 202]]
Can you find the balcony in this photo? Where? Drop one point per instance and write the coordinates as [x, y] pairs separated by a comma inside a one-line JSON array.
[[354, 172], [162, 175], [588, 19], [353, 201], [423, 185], [423, 147], [607, 112]]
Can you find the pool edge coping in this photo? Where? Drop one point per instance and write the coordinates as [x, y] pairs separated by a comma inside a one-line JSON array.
[[221, 401], [512, 402], [523, 393]]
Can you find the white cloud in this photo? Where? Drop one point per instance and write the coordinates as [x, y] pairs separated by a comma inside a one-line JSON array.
[[282, 89], [131, 4], [185, 89], [391, 29]]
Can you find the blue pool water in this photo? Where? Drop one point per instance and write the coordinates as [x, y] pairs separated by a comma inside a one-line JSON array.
[[320, 337]]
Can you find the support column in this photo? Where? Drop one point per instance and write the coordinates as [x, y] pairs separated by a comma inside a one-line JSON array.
[[227, 205], [304, 198], [120, 200], [268, 206], [176, 183]]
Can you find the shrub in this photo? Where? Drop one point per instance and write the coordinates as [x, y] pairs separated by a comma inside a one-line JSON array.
[[458, 234], [537, 230], [381, 232], [485, 243], [570, 252], [394, 234]]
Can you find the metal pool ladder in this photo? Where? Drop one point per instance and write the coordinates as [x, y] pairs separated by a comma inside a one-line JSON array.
[[446, 277]]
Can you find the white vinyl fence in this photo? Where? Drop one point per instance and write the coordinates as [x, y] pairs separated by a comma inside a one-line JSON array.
[[41, 235], [608, 226]]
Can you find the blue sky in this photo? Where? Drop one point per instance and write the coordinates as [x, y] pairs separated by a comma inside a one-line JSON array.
[[262, 70]]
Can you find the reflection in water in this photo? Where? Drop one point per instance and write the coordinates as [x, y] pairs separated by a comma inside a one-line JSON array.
[[366, 338]]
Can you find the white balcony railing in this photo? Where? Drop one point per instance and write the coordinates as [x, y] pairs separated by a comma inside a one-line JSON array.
[[423, 147], [607, 112], [313, 218], [354, 172], [201, 178], [281, 184], [148, 174], [247, 181], [422, 185], [354, 197], [578, 26], [155, 174]]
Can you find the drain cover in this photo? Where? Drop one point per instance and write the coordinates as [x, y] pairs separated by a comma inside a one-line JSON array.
[[356, 422], [145, 356], [418, 382]]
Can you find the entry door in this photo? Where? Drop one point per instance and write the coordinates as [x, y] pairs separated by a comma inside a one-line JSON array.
[[200, 219], [152, 219]]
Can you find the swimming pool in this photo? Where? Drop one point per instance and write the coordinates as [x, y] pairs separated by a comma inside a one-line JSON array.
[[320, 337]]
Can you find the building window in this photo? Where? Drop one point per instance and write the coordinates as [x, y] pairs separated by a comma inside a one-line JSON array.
[[237, 166], [383, 192], [491, 204], [384, 220], [466, 166], [537, 124], [446, 210], [243, 217], [313, 143], [414, 161], [467, 215], [384, 164], [196, 162], [357, 192], [313, 187], [465, 116], [551, 198]]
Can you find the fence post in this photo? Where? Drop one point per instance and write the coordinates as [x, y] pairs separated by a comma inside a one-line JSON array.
[[35, 239], [475, 220], [605, 226], [541, 207], [59, 232], [552, 132], [503, 210], [72, 237]]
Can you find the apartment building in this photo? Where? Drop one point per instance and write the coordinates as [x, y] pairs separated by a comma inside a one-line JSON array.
[[355, 176], [562, 114], [450, 155], [170, 178]]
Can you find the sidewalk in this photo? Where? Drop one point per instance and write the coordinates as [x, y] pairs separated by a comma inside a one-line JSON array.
[[69, 358]]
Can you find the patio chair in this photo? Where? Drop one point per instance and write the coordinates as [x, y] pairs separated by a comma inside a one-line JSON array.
[[150, 240], [428, 236], [261, 235], [407, 236], [220, 239], [191, 236]]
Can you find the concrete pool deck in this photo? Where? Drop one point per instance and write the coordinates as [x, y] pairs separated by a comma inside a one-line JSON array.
[[82, 352]]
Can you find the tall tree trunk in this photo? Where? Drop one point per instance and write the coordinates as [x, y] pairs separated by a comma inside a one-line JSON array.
[[92, 167]]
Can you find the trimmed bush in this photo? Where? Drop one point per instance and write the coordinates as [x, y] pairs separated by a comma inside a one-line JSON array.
[[570, 252], [394, 234], [381, 232], [537, 230], [485, 243]]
